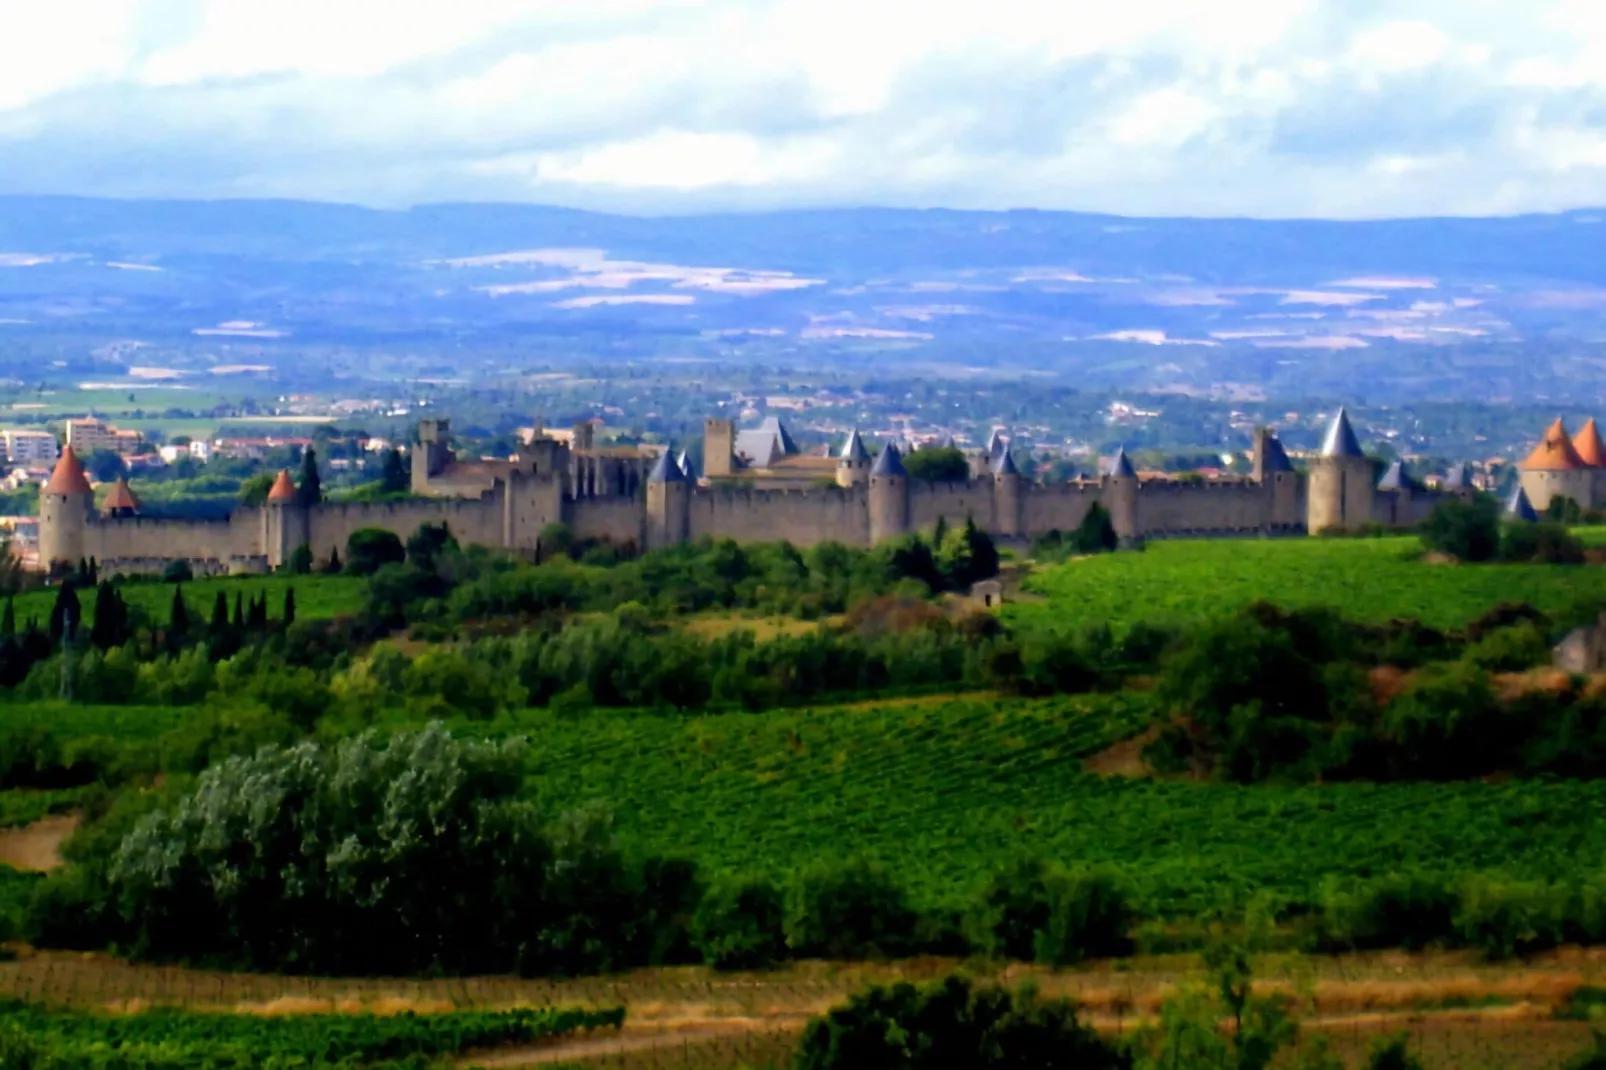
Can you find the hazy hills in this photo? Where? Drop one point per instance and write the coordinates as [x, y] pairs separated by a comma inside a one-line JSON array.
[[1400, 308]]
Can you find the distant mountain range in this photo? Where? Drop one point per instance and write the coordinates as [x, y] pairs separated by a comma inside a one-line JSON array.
[[1392, 310]]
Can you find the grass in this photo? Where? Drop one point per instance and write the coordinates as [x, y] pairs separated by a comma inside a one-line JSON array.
[[945, 791], [317, 597], [1365, 579]]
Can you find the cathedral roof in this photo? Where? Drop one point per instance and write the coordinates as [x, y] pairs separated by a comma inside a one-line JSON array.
[[1520, 508], [121, 497], [853, 449], [283, 489], [1394, 478], [1120, 466], [1555, 452], [68, 478], [1340, 440], [666, 470], [1276, 457], [1588, 445], [889, 463]]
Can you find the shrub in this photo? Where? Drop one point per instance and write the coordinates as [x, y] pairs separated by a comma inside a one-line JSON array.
[[951, 1024], [1503, 920], [300, 563], [1541, 544], [177, 572], [1466, 530], [1393, 1054], [368, 549], [855, 910], [1034, 911], [740, 925], [1404, 910]]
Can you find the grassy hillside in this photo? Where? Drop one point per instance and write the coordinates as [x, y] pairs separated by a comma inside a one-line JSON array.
[[317, 597], [1365, 579], [946, 791]]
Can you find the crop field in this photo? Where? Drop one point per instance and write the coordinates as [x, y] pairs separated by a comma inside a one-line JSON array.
[[1459, 1012], [1365, 579], [317, 597], [944, 791]]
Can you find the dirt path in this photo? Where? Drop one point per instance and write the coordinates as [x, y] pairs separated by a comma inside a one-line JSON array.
[[36, 848], [629, 1043]]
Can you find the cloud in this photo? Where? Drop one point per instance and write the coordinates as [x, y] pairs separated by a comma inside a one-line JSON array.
[[1261, 107]]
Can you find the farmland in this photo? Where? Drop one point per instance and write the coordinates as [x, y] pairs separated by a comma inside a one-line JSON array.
[[1363, 579], [947, 791], [317, 597]]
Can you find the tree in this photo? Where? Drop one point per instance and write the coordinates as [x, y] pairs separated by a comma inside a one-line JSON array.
[[951, 1024], [967, 555], [65, 615], [943, 464], [104, 466], [300, 562], [289, 606], [8, 624], [254, 491], [220, 614], [333, 566], [310, 490], [393, 477], [425, 546], [1394, 1054], [239, 613], [739, 925], [1464, 530], [369, 549], [179, 621], [111, 618], [1096, 533]]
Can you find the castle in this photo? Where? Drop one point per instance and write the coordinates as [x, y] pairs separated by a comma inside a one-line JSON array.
[[1566, 466], [756, 487]]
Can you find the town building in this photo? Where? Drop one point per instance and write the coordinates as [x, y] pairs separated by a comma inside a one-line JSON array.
[[29, 448], [87, 435]]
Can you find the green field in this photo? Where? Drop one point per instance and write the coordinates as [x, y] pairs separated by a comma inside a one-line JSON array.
[[317, 597], [944, 792], [1365, 579]]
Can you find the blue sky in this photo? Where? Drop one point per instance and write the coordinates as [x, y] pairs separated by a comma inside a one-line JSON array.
[[1259, 107]]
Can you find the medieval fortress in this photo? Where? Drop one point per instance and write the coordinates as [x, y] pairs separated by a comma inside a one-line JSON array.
[[757, 486]]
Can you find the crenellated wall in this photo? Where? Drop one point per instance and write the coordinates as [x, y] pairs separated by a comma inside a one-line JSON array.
[[803, 517], [951, 502], [618, 520], [1049, 507], [1169, 509], [137, 537], [472, 521]]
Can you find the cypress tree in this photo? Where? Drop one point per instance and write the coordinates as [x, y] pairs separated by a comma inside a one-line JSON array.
[[180, 622], [220, 614], [105, 632], [8, 623], [334, 561], [65, 614], [258, 615], [239, 612], [310, 491], [289, 606]]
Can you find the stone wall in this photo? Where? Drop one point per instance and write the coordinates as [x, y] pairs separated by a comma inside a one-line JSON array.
[[952, 502], [618, 520], [471, 521], [1169, 509], [1056, 506], [136, 537], [802, 517]]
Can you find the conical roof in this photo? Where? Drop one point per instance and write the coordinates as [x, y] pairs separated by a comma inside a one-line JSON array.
[[666, 470], [853, 449], [121, 497], [1276, 457], [1520, 508], [283, 489], [1458, 478], [1341, 440], [1120, 466], [683, 462], [889, 463], [68, 477], [1588, 446], [1394, 478], [1555, 453], [1006, 467]]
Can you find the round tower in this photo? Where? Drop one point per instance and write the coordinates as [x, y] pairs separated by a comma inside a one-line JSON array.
[[668, 503], [1555, 469], [1007, 513], [1342, 488], [285, 521], [853, 463], [888, 497], [65, 503], [1120, 496]]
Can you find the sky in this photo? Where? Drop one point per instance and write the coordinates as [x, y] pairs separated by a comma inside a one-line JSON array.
[[1325, 108]]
